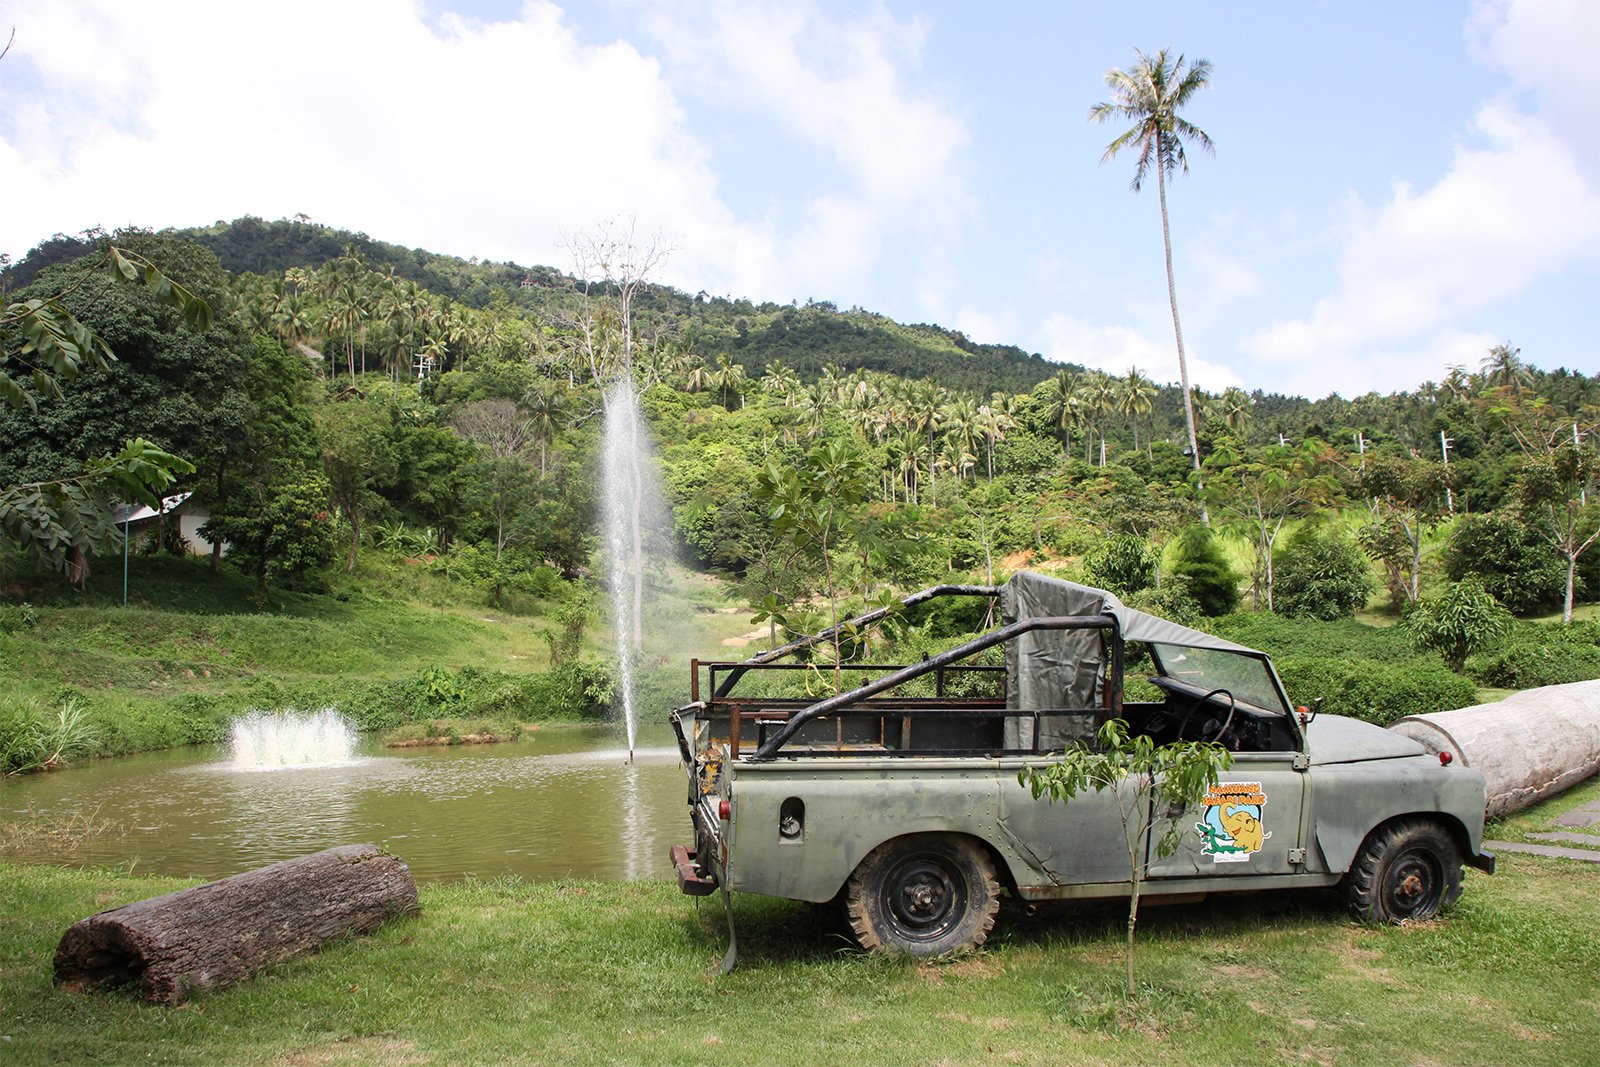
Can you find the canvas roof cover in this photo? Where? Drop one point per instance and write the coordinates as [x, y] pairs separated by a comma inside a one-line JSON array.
[[1063, 668]]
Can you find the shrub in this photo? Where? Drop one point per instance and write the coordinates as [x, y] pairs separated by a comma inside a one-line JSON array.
[[1515, 564], [32, 738], [14, 618], [1212, 583], [1457, 624], [1319, 575], [1172, 601], [1380, 693], [1121, 563], [1535, 654]]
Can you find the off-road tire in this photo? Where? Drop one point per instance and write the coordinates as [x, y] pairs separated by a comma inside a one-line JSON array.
[[1406, 871], [923, 895]]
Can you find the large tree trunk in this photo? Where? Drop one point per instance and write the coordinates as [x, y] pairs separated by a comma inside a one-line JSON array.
[[216, 934], [1177, 330]]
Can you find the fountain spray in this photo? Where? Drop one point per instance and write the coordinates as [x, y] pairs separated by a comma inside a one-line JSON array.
[[625, 520]]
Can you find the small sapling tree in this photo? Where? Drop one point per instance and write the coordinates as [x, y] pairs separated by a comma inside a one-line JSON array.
[[1146, 779], [1462, 621]]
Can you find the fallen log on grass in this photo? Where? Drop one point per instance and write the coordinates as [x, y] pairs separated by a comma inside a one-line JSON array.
[[1529, 746], [216, 934]]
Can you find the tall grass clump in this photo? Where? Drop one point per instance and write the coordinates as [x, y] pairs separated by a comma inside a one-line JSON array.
[[33, 738]]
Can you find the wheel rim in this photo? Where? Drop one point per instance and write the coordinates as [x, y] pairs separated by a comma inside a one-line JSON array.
[[1413, 884], [924, 897]]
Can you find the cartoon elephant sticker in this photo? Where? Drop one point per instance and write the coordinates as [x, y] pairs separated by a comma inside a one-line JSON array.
[[1243, 826]]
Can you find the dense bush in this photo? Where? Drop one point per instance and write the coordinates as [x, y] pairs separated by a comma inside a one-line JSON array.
[[1319, 575], [1377, 692], [1535, 654], [1172, 601], [1121, 563], [1458, 623], [1212, 583], [1514, 563], [573, 691]]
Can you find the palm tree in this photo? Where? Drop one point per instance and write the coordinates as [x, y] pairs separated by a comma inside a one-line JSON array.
[[544, 406], [1100, 399], [1137, 400], [1234, 408], [1062, 404], [727, 377], [1149, 95], [697, 378], [1503, 366]]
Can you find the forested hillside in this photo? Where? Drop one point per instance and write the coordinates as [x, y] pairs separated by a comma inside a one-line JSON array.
[[352, 397]]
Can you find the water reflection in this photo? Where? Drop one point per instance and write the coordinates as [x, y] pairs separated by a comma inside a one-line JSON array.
[[561, 803]]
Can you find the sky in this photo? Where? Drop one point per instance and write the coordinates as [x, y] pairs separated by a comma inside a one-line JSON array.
[[1396, 187]]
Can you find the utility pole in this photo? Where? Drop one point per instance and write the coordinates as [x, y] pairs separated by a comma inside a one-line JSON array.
[[1361, 448], [1444, 449]]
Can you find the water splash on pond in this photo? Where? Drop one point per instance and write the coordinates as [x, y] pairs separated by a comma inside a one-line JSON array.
[[267, 740]]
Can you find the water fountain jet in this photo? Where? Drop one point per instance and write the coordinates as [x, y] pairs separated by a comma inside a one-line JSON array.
[[625, 521], [265, 740]]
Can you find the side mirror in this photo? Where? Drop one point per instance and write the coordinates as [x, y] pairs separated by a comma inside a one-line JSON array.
[[1309, 715]]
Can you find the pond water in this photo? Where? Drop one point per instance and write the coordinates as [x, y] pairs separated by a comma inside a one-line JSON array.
[[560, 803]]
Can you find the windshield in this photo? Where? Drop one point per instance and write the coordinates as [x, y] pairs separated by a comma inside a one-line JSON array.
[[1247, 677]]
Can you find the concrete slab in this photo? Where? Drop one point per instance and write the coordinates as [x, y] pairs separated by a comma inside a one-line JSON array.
[[1587, 840], [1587, 815], [1582, 854]]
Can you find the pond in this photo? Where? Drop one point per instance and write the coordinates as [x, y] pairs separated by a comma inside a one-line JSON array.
[[562, 802]]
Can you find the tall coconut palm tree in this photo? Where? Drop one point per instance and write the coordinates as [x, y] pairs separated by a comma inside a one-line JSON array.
[[1503, 366], [1137, 400], [1149, 94], [1099, 400], [1062, 405]]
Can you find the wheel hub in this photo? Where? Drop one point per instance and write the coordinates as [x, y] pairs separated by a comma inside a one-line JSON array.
[[924, 900], [1412, 884]]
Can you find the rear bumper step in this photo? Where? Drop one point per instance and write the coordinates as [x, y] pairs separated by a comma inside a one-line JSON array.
[[690, 880]]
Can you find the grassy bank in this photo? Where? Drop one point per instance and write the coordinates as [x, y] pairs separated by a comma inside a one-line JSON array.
[[618, 972], [394, 643]]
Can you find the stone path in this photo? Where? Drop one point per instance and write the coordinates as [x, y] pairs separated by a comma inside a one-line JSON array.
[[1585, 818], [1587, 855]]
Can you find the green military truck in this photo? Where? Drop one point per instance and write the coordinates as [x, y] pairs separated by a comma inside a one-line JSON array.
[[899, 796]]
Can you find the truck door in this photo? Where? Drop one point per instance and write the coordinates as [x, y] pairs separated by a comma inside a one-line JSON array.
[[1248, 823], [1078, 843]]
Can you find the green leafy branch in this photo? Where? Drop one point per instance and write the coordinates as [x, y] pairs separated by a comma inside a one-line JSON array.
[[56, 347]]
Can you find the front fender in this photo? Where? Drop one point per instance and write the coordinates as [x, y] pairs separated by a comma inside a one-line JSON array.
[[1350, 800]]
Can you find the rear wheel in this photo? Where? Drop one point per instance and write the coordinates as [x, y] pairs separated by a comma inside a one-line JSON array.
[[923, 895], [1406, 871]]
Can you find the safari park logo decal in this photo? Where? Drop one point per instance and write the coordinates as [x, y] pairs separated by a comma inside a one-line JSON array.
[[1231, 831]]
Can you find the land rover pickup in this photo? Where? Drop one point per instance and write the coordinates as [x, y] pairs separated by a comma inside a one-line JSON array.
[[895, 790]]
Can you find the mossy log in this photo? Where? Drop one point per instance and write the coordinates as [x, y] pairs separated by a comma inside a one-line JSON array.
[[213, 935]]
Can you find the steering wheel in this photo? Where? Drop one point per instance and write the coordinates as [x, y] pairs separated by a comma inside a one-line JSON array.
[[1222, 732]]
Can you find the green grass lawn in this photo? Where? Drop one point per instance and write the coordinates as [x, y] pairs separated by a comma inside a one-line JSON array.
[[623, 973]]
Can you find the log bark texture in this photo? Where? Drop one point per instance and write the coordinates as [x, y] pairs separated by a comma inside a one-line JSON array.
[[1529, 746], [216, 934]]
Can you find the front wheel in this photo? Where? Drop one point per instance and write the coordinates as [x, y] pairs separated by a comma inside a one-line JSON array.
[[1407, 871], [923, 895]]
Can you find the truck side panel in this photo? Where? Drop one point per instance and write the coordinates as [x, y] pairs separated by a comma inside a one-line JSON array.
[[849, 808]]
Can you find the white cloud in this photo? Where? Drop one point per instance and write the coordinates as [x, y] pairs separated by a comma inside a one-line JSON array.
[[1503, 217], [500, 137], [481, 138], [836, 84], [1218, 280], [1547, 46], [987, 328], [1115, 349]]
